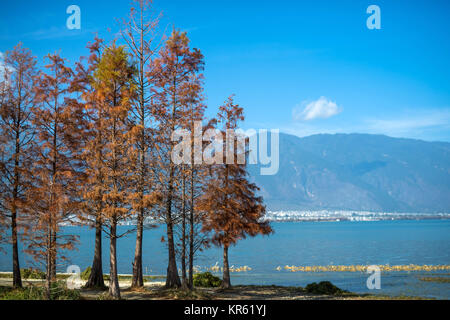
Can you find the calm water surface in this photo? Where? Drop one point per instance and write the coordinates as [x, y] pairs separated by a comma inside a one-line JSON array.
[[300, 244]]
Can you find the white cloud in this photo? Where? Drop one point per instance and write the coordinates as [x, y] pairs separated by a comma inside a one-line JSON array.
[[321, 108]]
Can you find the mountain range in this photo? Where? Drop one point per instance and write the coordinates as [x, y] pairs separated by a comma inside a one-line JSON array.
[[358, 172]]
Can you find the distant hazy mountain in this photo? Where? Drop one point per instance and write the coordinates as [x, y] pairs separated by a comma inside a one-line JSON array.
[[358, 172]]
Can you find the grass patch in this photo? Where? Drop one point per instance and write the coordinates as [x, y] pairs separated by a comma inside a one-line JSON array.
[[58, 291], [31, 273]]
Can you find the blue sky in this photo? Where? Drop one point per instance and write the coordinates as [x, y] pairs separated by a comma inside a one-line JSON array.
[[304, 67]]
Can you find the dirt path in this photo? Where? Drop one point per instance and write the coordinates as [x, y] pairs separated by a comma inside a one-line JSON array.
[[158, 292]]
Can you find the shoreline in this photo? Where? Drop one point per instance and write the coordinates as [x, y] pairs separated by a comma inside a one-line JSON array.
[[371, 217], [155, 290]]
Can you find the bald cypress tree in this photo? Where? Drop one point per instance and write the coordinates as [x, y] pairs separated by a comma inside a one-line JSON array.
[[114, 89], [91, 154], [192, 177], [17, 79], [140, 34], [52, 198], [172, 74], [234, 211]]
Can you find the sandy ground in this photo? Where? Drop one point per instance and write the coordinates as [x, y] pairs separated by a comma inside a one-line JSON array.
[[155, 291]]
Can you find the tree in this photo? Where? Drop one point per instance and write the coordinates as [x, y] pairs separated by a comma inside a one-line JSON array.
[[198, 176], [55, 175], [92, 155], [113, 83], [191, 175], [3, 155], [141, 37], [171, 75], [233, 210], [16, 135]]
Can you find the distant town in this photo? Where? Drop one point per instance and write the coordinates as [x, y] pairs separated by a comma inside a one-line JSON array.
[[349, 215], [320, 215]]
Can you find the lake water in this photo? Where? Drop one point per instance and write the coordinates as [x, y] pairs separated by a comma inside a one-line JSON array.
[[423, 242]]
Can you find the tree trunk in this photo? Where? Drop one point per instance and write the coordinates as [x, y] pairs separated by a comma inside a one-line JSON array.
[[184, 283], [48, 271], [48, 285], [226, 269], [172, 279], [138, 280], [191, 211], [114, 290], [53, 254], [191, 242], [17, 279], [183, 254], [96, 277]]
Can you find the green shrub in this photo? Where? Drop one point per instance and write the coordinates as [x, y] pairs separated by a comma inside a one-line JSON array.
[[58, 291], [31, 273], [86, 273], [28, 293], [323, 287], [206, 280]]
